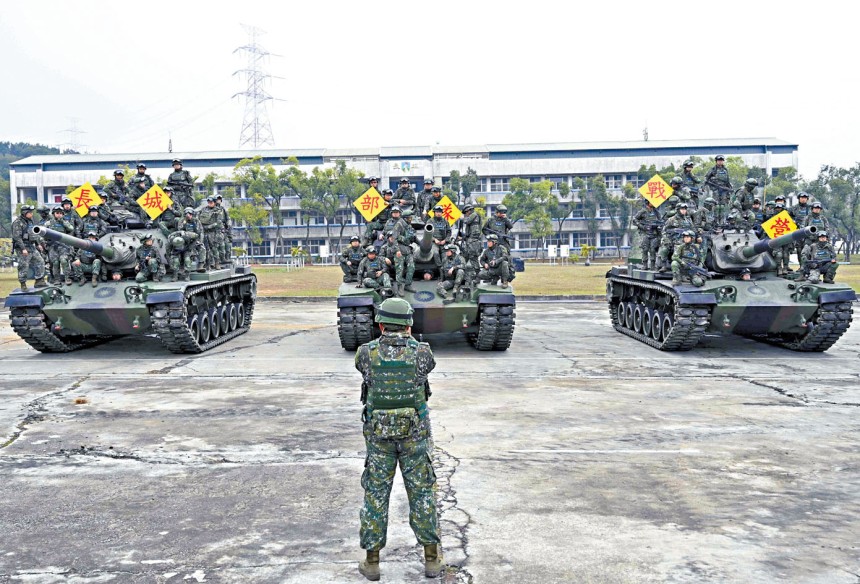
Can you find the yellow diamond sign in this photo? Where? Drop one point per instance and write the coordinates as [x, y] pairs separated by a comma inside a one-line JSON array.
[[779, 224], [656, 191], [154, 201], [449, 210], [370, 204], [83, 198]]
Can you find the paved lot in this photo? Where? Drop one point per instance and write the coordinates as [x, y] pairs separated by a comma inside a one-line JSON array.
[[577, 456]]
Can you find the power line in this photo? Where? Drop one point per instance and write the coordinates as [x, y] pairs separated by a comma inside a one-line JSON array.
[[74, 141], [256, 129]]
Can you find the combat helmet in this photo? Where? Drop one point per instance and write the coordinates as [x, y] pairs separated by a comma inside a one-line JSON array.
[[43, 211], [492, 237], [439, 208], [710, 201], [119, 172], [354, 238], [176, 161], [93, 208], [676, 180], [92, 234], [436, 190], [719, 157], [751, 182], [27, 209], [687, 233], [468, 207], [816, 205], [395, 208], [188, 210], [427, 181], [501, 209], [371, 250], [387, 192], [688, 162], [394, 311], [802, 194]]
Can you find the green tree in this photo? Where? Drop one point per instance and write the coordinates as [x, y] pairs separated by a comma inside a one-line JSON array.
[[469, 182], [562, 210], [786, 182], [208, 183], [535, 204], [5, 209], [347, 187], [266, 188], [838, 190]]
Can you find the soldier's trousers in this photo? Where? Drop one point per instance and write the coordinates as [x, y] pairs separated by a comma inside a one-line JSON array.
[[60, 262], [416, 467], [181, 262], [34, 260], [667, 247], [471, 252], [499, 271], [212, 239], [404, 269], [94, 268], [828, 272], [349, 272], [649, 244], [150, 269], [383, 281], [450, 282], [227, 246]]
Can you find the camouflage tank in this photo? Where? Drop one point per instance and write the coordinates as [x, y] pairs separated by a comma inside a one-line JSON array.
[[785, 311], [484, 313], [190, 316]]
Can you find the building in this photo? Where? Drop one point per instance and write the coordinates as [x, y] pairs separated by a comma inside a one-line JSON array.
[[45, 178]]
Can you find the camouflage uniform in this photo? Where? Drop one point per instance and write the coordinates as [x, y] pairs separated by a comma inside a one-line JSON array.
[[137, 186], [501, 226], [452, 273], [781, 255], [441, 234], [720, 187], [744, 196], [169, 219], [148, 263], [93, 224], [819, 221], [180, 253], [469, 239], [372, 272], [71, 216], [685, 255], [116, 192], [194, 245], [405, 198], [377, 223], [495, 262], [210, 220], [800, 213], [430, 202], [743, 220], [819, 256], [23, 240], [671, 236], [226, 232], [399, 258], [397, 431], [692, 183], [648, 221], [420, 201], [87, 262], [183, 185], [60, 254], [350, 258]]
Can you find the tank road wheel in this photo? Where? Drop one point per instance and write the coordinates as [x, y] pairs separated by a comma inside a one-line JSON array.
[[657, 325], [622, 311], [214, 323], [205, 327], [667, 324], [231, 316], [830, 322], [224, 317], [495, 327], [354, 326], [240, 313], [637, 317], [194, 327], [647, 315]]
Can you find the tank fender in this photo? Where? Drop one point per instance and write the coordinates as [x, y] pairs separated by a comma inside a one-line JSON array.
[[837, 296], [497, 299], [354, 301], [697, 298], [164, 297], [24, 300]]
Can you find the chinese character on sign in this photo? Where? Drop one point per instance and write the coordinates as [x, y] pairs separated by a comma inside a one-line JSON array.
[[369, 203], [448, 213], [780, 227], [152, 201], [83, 198], [656, 190], [779, 224]]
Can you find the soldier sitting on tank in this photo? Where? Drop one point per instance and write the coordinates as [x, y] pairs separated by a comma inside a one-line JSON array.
[[88, 262], [758, 212], [137, 186], [181, 253], [683, 193], [495, 262], [687, 261], [433, 200], [453, 274], [60, 254], [373, 273], [92, 222], [169, 218], [148, 263], [398, 257], [116, 191], [819, 259], [817, 219], [742, 220], [649, 222], [672, 231], [441, 234], [744, 196], [350, 258], [378, 222], [768, 210], [196, 249], [71, 216]]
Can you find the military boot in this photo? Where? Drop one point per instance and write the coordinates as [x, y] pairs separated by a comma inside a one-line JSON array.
[[82, 281], [23, 286], [369, 567], [40, 283], [395, 289], [409, 287], [95, 280], [68, 280], [432, 561]]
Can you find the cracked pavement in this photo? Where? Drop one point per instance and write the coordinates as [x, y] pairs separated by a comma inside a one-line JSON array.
[[579, 455]]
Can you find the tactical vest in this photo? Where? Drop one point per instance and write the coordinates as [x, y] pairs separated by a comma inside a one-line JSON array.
[[355, 256], [691, 252], [801, 212], [721, 176], [817, 221], [822, 252], [374, 266], [440, 228], [392, 384]]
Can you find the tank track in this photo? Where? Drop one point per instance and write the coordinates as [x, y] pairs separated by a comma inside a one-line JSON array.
[[31, 325], [689, 322], [831, 321], [354, 326], [495, 327], [173, 329]]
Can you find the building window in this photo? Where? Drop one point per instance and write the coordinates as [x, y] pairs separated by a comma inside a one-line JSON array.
[[610, 239], [577, 211], [580, 238], [264, 248], [556, 181], [613, 181], [634, 180], [500, 185]]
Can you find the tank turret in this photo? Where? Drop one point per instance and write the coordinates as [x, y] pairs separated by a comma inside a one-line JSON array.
[[750, 251], [424, 253], [731, 252], [110, 254]]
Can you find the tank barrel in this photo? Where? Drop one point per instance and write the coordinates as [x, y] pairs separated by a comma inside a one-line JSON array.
[[781, 241], [93, 246], [425, 241]]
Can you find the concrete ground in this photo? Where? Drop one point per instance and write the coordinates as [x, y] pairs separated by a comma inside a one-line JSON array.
[[577, 456]]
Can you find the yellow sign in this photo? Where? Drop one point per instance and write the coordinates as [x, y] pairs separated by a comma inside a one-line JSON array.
[[779, 224], [449, 210], [370, 204], [656, 191], [83, 198], [154, 201]]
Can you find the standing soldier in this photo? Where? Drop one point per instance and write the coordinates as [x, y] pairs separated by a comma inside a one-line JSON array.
[[372, 272], [494, 261], [452, 275], [42, 247], [500, 225], [195, 249], [800, 213], [226, 231], [672, 231], [743, 197], [433, 200], [397, 430], [350, 258], [183, 185], [421, 198], [781, 255], [71, 216], [210, 220], [441, 234], [137, 186], [148, 263], [469, 240], [59, 254], [88, 262], [768, 210], [649, 222], [683, 193], [26, 247], [377, 223], [821, 258], [690, 181], [395, 222], [116, 191], [817, 219], [687, 258], [720, 186], [92, 222]]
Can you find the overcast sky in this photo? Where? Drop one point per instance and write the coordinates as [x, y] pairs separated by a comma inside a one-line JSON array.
[[369, 74]]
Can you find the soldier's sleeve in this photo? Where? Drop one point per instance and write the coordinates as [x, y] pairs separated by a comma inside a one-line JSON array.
[[17, 235], [362, 360], [425, 362], [676, 255]]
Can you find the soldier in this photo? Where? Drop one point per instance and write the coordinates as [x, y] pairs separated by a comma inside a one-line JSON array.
[[687, 261], [379, 221], [469, 240], [42, 248], [500, 225], [452, 274], [71, 216], [148, 263], [399, 253], [683, 193], [421, 198], [116, 191], [397, 430], [800, 212], [758, 212], [649, 222], [395, 222], [743, 197], [137, 186], [441, 234], [60, 254], [93, 222], [44, 215], [819, 258], [691, 182], [88, 262], [405, 198], [817, 219], [768, 210], [350, 258], [705, 218], [495, 262], [433, 200], [372, 272], [210, 220], [781, 255], [169, 218], [671, 235], [393, 257], [179, 254], [26, 247], [183, 185], [742, 220], [720, 186], [373, 181], [194, 245], [226, 231]]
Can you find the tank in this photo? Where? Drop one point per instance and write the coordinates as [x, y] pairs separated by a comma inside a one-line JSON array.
[[784, 311], [190, 316], [485, 313]]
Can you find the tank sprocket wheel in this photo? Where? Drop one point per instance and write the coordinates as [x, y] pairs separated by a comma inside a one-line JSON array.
[[354, 326], [829, 323], [173, 323], [31, 325], [495, 327], [681, 326]]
